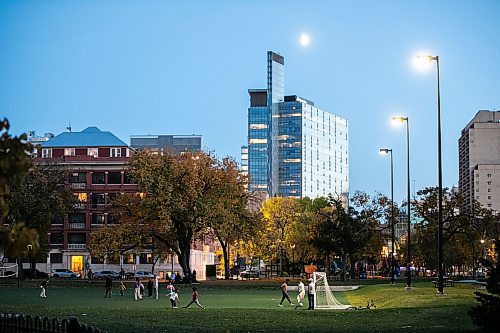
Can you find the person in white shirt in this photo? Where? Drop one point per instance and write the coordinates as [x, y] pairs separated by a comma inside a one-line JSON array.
[[301, 293], [174, 298], [311, 291]]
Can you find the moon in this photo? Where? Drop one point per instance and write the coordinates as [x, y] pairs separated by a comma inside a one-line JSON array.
[[304, 40]]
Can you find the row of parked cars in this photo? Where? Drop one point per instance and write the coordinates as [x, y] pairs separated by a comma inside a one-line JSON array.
[[63, 273]]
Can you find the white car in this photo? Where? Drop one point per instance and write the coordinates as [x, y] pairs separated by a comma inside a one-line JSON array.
[[64, 273], [143, 275]]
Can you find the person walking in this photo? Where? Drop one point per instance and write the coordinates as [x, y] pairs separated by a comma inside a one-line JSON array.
[[109, 286], [43, 286], [311, 291], [137, 289], [301, 293], [155, 286], [194, 300], [284, 293]]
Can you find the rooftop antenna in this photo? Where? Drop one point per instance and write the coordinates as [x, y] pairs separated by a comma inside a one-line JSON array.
[[69, 126], [31, 133]]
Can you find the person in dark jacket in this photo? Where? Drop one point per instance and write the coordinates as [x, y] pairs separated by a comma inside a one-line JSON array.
[[109, 286], [150, 287]]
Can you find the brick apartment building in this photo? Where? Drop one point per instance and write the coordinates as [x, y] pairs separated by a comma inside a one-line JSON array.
[[98, 163]]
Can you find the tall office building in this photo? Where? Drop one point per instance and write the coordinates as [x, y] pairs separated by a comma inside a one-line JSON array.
[[294, 148], [479, 160], [179, 143]]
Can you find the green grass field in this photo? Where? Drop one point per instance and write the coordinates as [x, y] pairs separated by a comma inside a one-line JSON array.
[[249, 307]]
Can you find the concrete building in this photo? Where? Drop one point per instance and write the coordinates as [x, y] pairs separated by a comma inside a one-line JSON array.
[[295, 149], [479, 160], [98, 162], [179, 143]]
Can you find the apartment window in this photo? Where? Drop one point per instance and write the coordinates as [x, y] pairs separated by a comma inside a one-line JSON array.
[[81, 197], [69, 151], [76, 218], [97, 199], [477, 190], [488, 175], [94, 152], [489, 197], [78, 177], [98, 178], [58, 219], [489, 190], [97, 218], [47, 153], [77, 239], [56, 238], [130, 258], [488, 182], [56, 258], [114, 177], [145, 258], [116, 152]]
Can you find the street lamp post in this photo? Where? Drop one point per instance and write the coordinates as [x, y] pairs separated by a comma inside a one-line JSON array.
[[430, 58], [385, 151], [408, 204], [292, 246]]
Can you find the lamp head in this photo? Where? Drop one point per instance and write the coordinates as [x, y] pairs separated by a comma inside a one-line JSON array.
[[384, 151], [482, 241], [423, 61]]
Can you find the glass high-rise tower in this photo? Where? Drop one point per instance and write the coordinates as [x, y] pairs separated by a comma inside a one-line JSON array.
[[294, 148]]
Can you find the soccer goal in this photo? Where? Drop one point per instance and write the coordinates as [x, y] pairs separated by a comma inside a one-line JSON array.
[[8, 271], [323, 298]]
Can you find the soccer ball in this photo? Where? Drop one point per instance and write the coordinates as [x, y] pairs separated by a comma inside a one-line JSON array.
[[301, 304]]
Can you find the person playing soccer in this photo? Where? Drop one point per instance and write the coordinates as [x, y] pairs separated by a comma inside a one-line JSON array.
[[194, 300], [284, 293], [301, 293], [174, 298], [311, 291], [43, 288]]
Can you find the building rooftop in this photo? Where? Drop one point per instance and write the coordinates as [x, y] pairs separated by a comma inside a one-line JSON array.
[[89, 137]]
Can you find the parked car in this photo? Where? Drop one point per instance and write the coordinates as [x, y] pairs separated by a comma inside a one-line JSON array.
[[143, 275], [34, 274], [64, 273], [104, 274], [250, 273], [129, 275]]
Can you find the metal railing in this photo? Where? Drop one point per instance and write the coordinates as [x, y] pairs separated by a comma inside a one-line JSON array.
[[76, 225], [13, 322], [80, 247]]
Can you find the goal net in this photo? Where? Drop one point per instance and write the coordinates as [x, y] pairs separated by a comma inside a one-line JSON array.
[[8, 271], [323, 298]]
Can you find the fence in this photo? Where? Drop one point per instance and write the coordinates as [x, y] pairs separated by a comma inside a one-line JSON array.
[[19, 323]]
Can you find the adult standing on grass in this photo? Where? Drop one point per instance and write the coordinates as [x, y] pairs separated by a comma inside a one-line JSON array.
[[43, 287], [137, 289], [195, 299], [301, 289], [155, 286], [311, 291], [109, 286], [284, 293], [150, 287]]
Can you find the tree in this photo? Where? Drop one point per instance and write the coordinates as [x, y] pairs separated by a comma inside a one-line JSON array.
[[38, 198], [179, 189], [279, 214], [485, 315], [226, 210], [462, 229], [14, 162]]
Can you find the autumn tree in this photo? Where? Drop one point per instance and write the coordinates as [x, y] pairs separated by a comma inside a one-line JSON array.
[[180, 190], [279, 215], [225, 208]]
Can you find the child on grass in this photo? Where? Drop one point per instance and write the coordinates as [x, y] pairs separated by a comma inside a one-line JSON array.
[[122, 288], [195, 299], [174, 298]]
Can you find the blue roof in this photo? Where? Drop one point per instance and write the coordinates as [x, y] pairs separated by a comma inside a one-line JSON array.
[[89, 137]]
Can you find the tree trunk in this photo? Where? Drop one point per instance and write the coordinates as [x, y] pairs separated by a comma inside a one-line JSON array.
[[352, 260], [225, 254], [344, 268], [184, 256]]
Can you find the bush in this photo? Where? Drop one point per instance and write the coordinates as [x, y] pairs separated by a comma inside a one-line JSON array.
[[486, 314]]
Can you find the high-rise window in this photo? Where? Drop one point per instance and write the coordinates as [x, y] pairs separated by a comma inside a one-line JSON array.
[[98, 178]]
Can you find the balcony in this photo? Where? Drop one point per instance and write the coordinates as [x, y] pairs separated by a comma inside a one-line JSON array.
[[76, 225], [78, 186], [77, 247]]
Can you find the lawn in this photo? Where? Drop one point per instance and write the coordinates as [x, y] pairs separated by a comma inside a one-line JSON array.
[[249, 307]]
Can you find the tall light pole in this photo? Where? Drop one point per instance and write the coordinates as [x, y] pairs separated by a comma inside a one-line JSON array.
[[408, 204], [385, 151], [430, 58]]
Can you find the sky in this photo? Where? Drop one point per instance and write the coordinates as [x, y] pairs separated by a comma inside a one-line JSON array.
[[185, 67]]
